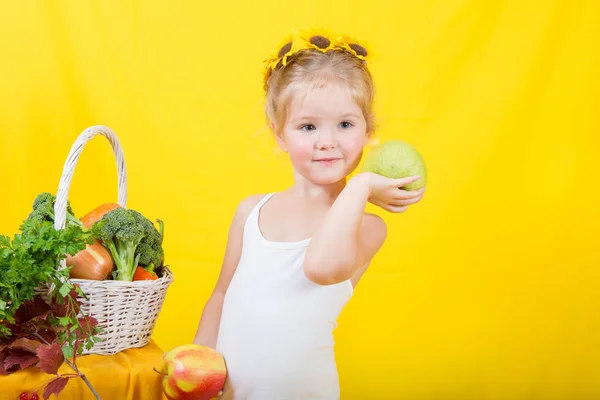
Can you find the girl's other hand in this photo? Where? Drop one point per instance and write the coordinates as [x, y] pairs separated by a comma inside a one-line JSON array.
[[227, 392], [388, 194]]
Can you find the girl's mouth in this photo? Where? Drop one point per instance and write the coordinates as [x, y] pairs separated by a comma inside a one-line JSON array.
[[327, 161]]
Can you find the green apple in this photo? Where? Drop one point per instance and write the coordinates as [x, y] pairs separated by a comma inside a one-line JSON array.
[[397, 159]]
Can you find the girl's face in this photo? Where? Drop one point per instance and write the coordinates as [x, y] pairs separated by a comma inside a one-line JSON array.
[[324, 135]]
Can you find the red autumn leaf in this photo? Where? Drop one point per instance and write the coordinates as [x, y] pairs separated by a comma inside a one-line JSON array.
[[15, 330], [51, 358], [21, 358], [25, 344], [61, 306], [31, 309], [87, 325], [72, 301], [48, 334], [88, 321], [59, 310], [75, 296], [55, 386]]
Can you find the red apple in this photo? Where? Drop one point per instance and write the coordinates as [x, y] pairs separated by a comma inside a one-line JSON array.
[[193, 372]]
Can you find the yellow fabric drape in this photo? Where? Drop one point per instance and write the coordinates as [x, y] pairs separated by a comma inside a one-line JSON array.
[[487, 289], [125, 375]]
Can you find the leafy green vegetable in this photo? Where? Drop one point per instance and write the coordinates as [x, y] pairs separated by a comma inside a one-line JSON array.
[[31, 259], [43, 331]]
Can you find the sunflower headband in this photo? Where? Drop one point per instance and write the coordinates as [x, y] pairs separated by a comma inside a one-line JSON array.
[[311, 40]]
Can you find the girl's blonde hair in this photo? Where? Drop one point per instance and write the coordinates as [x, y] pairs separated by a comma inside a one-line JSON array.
[[311, 69]]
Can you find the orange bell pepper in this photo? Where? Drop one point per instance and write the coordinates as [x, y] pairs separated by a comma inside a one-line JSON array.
[[142, 274]]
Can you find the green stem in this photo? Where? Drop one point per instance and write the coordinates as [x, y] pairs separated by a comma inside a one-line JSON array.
[[161, 229], [74, 220]]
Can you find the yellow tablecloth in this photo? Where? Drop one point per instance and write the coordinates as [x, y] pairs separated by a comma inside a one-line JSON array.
[[127, 375]]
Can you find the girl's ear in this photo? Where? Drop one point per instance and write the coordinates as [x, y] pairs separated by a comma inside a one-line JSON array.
[[279, 138], [281, 142], [368, 139]]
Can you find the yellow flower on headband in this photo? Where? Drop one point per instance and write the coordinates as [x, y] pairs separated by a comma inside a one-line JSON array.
[[313, 39], [352, 46], [319, 39], [286, 48], [289, 46]]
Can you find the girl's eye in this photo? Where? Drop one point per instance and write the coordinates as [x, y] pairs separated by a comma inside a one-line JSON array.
[[345, 125], [308, 127]]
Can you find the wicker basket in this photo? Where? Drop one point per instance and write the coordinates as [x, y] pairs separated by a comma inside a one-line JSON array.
[[126, 311]]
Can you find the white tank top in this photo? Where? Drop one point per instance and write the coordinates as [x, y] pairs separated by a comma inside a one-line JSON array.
[[276, 330]]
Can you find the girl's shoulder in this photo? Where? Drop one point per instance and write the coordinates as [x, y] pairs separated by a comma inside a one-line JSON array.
[[246, 205]]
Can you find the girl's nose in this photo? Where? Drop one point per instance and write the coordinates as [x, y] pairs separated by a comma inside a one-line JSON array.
[[326, 140]]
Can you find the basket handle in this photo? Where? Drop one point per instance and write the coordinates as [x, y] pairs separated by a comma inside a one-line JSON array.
[[60, 205]]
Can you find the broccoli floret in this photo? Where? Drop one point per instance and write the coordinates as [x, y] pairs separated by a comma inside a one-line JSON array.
[[150, 249], [132, 240], [43, 211]]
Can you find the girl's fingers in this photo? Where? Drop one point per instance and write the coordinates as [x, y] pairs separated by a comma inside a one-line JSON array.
[[396, 209], [405, 181], [404, 202], [388, 207], [408, 194]]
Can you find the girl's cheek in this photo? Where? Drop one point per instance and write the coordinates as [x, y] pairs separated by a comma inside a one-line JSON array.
[[300, 150], [354, 144]]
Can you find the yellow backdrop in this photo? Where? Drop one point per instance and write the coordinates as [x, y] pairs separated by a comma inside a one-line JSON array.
[[485, 290]]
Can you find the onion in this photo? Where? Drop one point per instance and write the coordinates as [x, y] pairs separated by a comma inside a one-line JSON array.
[[94, 262]]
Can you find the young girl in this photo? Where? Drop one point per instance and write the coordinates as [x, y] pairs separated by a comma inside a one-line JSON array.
[[293, 258]]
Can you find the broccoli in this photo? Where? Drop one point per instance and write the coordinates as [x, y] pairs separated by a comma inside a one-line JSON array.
[[43, 212], [150, 249], [131, 239]]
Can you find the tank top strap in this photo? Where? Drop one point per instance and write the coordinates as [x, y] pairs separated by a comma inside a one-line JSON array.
[[251, 226], [262, 201]]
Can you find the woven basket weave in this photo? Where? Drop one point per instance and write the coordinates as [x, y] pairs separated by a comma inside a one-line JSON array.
[[126, 311]]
